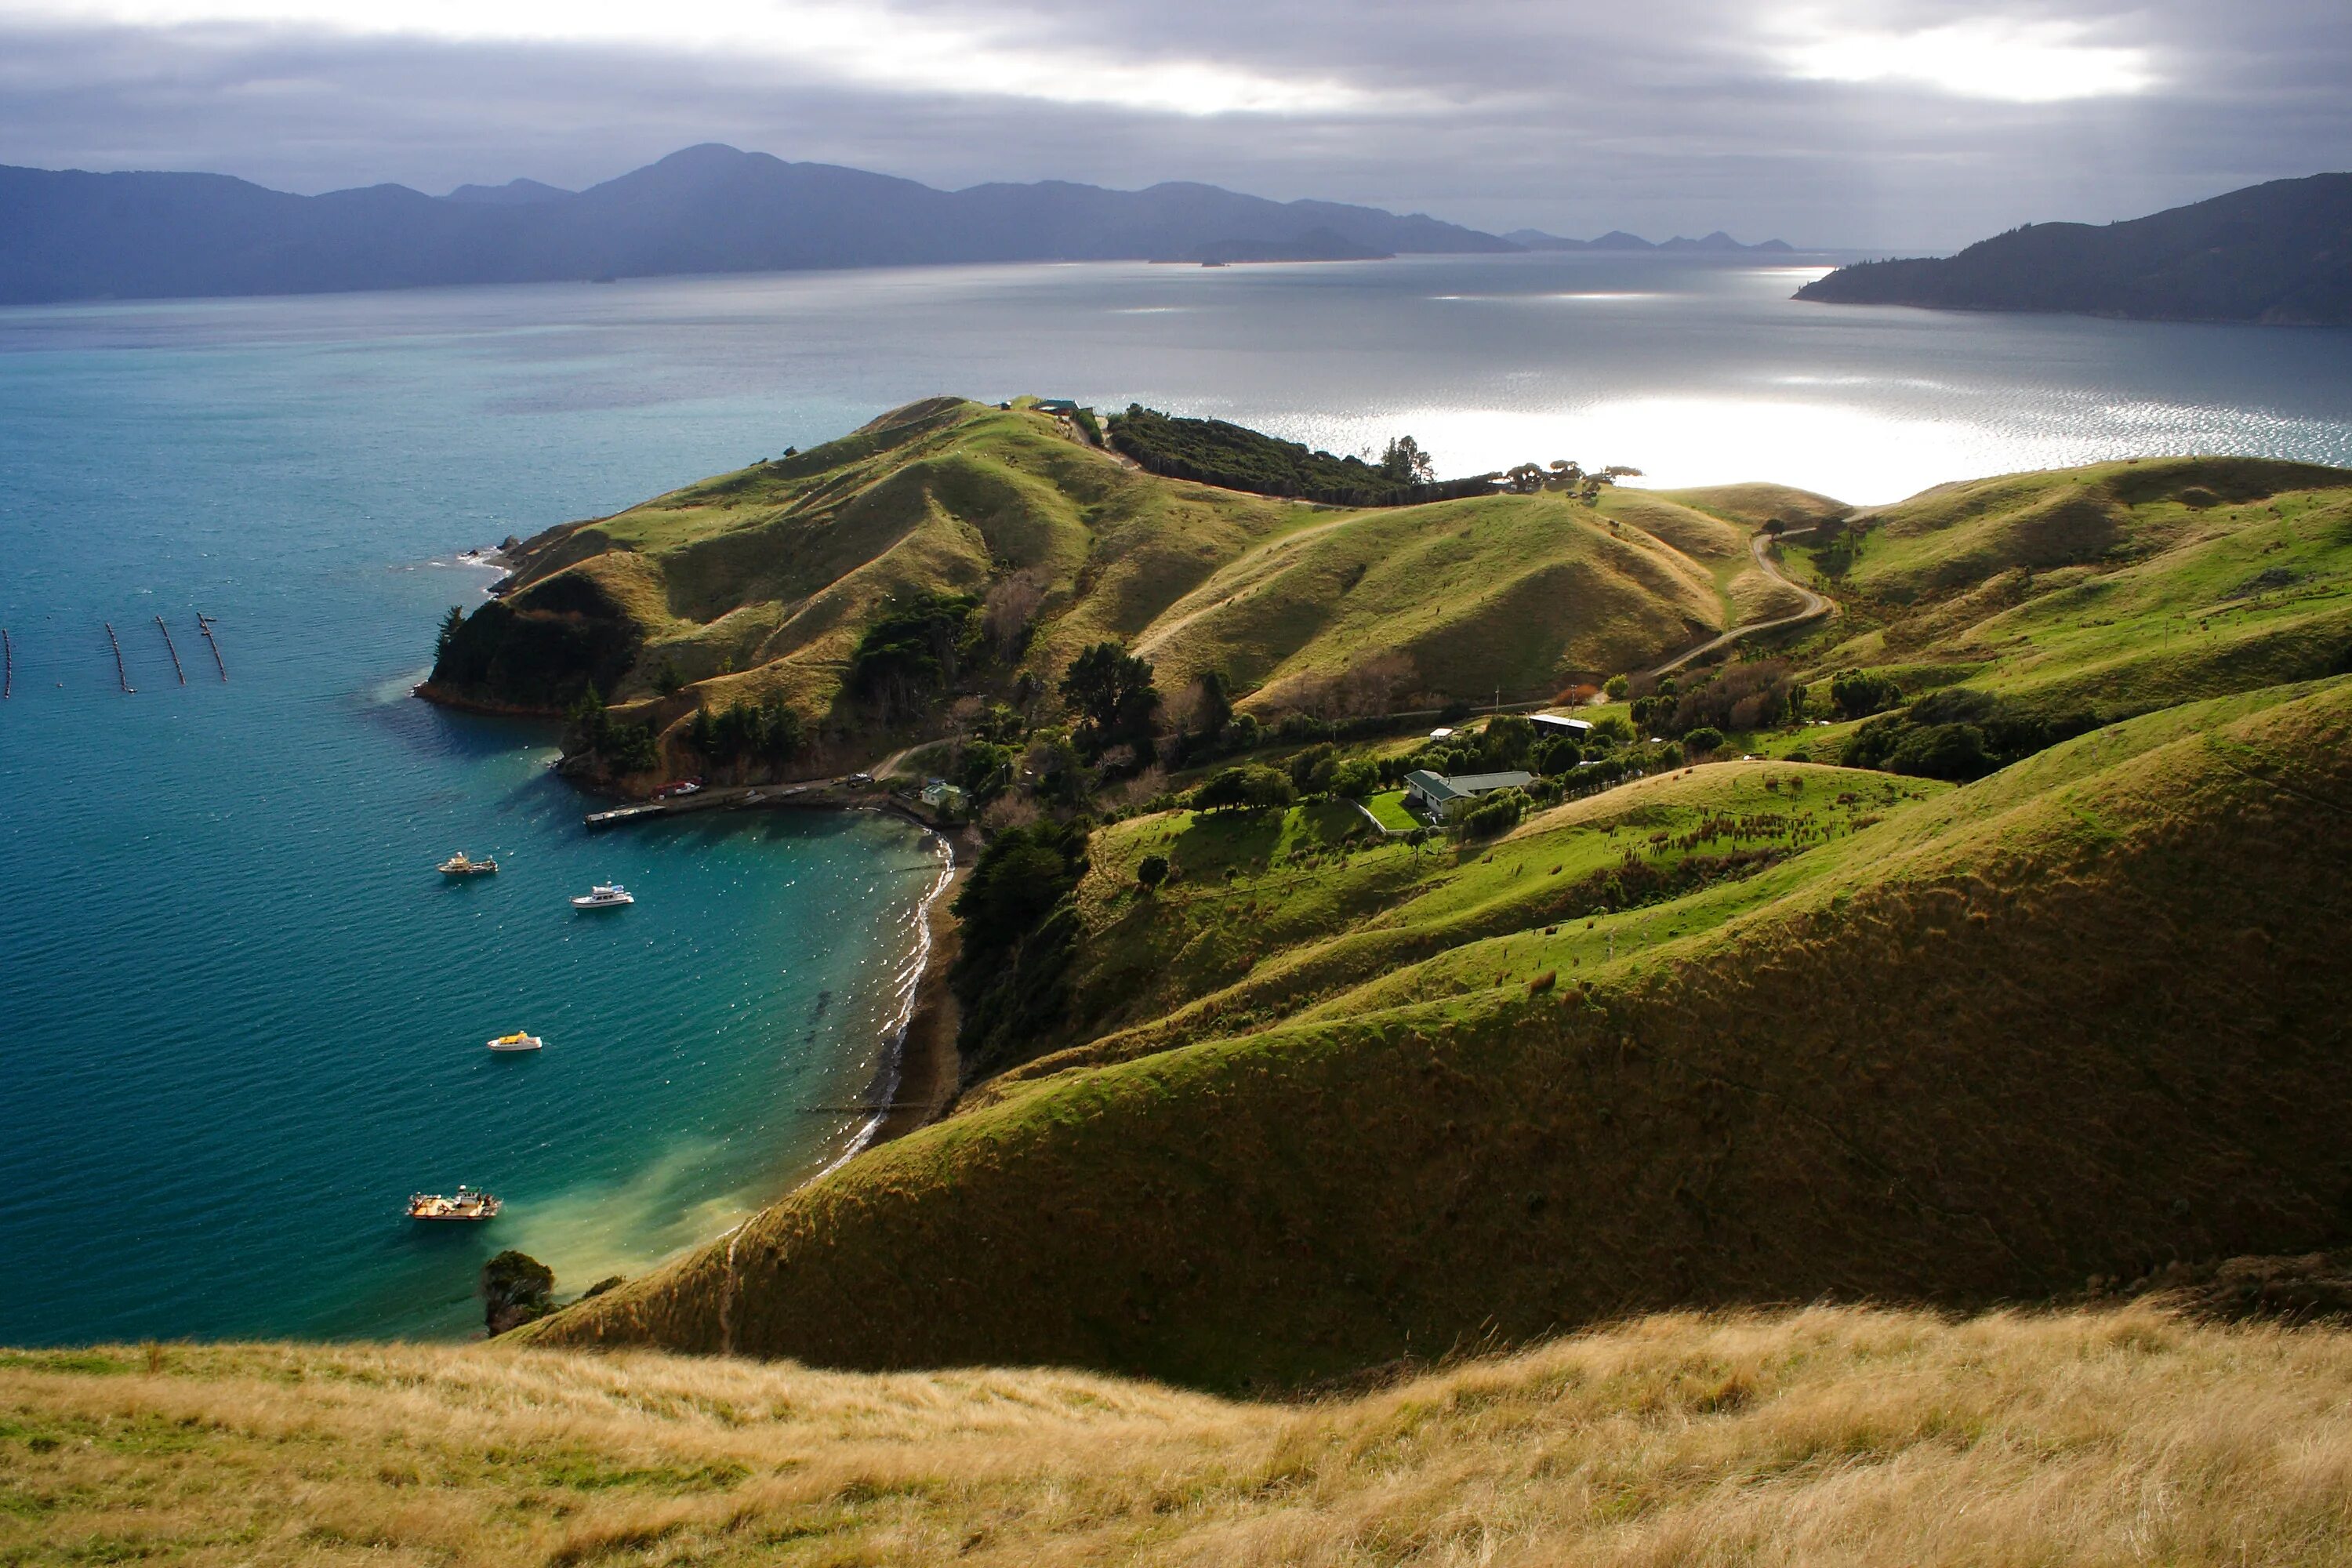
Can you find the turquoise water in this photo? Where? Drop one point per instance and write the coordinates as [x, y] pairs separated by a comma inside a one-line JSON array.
[[240, 1017]]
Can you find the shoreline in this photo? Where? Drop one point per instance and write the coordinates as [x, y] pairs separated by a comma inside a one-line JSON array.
[[923, 1075]]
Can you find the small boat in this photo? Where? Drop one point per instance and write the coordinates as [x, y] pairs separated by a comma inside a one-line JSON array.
[[517, 1041], [604, 896], [467, 1205], [457, 864]]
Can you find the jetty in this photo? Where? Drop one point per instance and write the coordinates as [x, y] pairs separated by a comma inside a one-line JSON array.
[[817, 792], [205, 625], [119, 673], [174, 651]]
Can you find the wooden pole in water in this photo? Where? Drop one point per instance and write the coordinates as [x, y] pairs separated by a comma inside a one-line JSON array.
[[174, 651], [119, 673], [205, 625], [8, 652]]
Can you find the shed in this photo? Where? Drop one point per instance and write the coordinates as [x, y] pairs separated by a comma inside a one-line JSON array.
[[1561, 724]]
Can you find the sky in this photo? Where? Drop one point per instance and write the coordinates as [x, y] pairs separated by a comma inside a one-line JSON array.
[[1903, 124]]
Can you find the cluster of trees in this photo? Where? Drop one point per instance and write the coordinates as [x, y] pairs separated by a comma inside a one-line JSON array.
[[1961, 735], [769, 732], [543, 650], [1109, 691], [912, 652], [1857, 694], [1509, 742], [1214, 452], [1560, 474], [1752, 695], [624, 748]]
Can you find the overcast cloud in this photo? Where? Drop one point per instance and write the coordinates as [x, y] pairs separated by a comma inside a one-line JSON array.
[[1908, 125]]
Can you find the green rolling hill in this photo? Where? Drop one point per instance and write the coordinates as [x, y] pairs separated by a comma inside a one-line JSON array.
[[1955, 1045], [759, 584]]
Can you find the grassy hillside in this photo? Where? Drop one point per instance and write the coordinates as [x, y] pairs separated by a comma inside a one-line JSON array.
[[2095, 592], [759, 583], [2072, 1020], [1822, 1435]]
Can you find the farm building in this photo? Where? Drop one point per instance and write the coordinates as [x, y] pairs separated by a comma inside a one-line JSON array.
[[1442, 795], [1557, 725]]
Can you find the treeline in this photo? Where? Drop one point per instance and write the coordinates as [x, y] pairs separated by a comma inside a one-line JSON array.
[[1234, 457]]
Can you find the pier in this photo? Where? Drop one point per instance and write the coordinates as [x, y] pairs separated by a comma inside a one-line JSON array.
[[173, 651], [818, 792], [119, 673], [205, 625]]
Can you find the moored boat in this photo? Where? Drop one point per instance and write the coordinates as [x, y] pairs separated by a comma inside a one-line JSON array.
[[517, 1041], [467, 1205], [604, 896], [460, 865]]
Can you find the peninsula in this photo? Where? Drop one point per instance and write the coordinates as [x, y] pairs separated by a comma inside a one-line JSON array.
[[2279, 254]]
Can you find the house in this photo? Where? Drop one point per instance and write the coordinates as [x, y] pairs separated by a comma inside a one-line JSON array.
[[1442, 796], [943, 797], [1555, 725], [1061, 407]]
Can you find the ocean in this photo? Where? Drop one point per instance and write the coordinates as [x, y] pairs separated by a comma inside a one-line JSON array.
[[241, 1018]]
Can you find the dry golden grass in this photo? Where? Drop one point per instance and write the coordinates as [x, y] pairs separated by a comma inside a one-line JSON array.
[[1825, 1435]]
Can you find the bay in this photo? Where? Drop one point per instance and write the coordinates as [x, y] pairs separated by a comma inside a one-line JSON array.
[[241, 1018]]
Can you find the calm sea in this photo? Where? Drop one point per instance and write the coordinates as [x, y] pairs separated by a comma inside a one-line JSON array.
[[240, 1017]]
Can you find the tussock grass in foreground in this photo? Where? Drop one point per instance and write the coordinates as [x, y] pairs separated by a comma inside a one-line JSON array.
[[1827, 1435]]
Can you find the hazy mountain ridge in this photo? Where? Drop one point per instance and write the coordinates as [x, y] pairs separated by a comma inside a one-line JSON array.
[[710, 209], [1618, 239], [2280, 253]]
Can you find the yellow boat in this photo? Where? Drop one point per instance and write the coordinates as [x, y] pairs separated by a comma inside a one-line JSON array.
[[517, 1041], [457, 864]]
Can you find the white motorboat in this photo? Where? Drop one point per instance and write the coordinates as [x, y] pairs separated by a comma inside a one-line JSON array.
[[517, 1041], [604, 896]]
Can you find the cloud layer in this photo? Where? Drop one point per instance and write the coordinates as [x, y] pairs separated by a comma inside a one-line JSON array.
[[1898, 124]]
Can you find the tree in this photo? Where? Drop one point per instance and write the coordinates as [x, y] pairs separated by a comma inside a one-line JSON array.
[[1405, 463], [450, 624], [911, 651], [1615, 688], [1526, 479], [1857, 694], [1560, 757], [1150, 871], [1250, 788], [516, 1288], [1356, 778], [1110, 690], [1704, 740], [1497, 813], [1215, 708], [1776, 528]]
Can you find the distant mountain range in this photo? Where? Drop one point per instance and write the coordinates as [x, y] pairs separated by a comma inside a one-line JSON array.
[[2279, 253], [67, 235], [1618, 239]]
